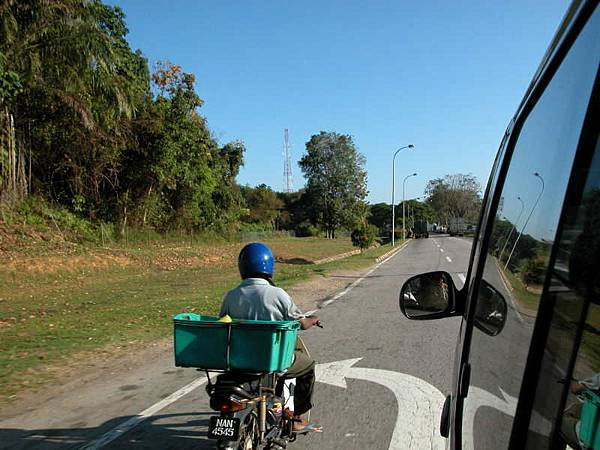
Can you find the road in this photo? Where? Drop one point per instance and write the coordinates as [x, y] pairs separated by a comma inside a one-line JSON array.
[[364, 324]]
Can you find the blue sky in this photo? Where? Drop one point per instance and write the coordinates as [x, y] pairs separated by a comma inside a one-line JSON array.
[[444, 76]]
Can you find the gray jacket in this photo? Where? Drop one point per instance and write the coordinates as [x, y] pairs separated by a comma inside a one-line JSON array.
[[256, 299]]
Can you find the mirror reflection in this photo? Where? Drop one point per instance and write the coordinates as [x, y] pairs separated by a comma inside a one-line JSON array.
[[490, 313], [426, 294]]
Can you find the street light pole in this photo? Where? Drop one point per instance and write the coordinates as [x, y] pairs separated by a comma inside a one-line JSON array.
[[527, 221], [393, 189], [404, 204], [512, 229]]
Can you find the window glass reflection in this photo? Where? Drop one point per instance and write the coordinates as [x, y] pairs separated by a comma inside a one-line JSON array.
[[575, 326]]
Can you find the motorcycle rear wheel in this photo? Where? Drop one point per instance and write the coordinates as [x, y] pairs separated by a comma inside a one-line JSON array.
[[249, 434]]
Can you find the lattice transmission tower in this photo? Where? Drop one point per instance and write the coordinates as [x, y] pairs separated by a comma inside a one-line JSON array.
[[288, 184]]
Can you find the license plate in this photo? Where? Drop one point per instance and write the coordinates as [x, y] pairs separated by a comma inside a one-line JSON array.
[[224, 428]]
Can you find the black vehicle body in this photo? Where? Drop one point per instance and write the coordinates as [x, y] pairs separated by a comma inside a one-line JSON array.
[[512, 376], [421, 229]]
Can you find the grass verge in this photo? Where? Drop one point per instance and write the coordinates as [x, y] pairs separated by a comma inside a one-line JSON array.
[[526, 299], [57, 317]]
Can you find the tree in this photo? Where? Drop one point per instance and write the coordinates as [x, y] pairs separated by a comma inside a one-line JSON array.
[[416, 210], [82, 125], [336, 181], [364, 235], [263, 205], [176, 173], [533, 271], [455, 195], [69, 79], [380, 215]]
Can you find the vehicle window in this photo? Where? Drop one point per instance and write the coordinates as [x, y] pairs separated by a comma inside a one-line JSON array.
[[575, 325], [521, 241]]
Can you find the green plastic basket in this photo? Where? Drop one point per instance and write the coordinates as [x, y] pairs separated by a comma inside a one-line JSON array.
[[589, 428], [244, 345]]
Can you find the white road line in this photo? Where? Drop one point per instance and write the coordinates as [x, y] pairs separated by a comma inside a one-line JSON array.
[[442, 250], [510, 295], [462, 277], [448, 259], [349, 288], [126, 426]]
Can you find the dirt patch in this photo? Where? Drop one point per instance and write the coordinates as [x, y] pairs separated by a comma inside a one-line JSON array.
[[175, 262], [308, 294], [70, 263]]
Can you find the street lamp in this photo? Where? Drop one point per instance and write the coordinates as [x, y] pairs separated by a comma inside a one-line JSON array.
[[404, 204], [393, 189], [536, 174], [512, 229]]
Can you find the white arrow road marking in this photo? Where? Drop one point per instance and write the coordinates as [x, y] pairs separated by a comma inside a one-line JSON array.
[[126, 426], [478, 397], [419, 403]]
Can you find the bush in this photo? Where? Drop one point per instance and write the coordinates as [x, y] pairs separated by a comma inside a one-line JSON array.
[[533, 270], [44, 216], [255, 227], [364, 235], [307, 230]]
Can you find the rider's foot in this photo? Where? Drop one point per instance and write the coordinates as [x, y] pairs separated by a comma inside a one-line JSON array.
[[303, 426]]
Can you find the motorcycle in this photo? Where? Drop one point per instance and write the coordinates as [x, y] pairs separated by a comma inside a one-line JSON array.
[[256, 410]]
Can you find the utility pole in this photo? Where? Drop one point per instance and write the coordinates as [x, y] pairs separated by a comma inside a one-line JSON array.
[[536, 174], [403, 204], [394, 190], [287, 164]]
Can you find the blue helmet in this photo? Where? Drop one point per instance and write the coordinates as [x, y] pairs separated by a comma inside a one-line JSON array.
[[256, 259]]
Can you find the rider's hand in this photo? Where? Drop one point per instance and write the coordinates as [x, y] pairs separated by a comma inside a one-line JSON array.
[[577, 388], [308, 322]]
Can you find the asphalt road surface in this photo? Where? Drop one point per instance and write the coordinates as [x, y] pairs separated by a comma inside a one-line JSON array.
[[388, 396]]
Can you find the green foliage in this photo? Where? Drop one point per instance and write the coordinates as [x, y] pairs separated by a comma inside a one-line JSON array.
[[255, 228], [307, 230], [10, 83], [43, 216], [418, 211], [364, 235], [336, 181], [296, 209], [500, 234], [101, 143], [262, 205], [533, 270], [380, 215]]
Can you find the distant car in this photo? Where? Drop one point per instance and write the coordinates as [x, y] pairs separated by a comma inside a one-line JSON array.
[[530, 317]]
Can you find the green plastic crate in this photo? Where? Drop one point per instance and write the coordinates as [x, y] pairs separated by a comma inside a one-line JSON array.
[[245, 345], [200, 341], [589, 428]]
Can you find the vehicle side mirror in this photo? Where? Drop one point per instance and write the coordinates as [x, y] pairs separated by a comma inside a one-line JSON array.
[[428, 296], [490, 311]]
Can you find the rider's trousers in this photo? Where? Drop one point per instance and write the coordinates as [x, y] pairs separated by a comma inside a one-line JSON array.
[[303, 369]]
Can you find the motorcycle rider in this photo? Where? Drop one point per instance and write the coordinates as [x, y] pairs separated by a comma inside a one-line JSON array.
[[257, 298]]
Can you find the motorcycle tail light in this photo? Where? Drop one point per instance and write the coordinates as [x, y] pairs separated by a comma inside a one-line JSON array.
[[226, 404]]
